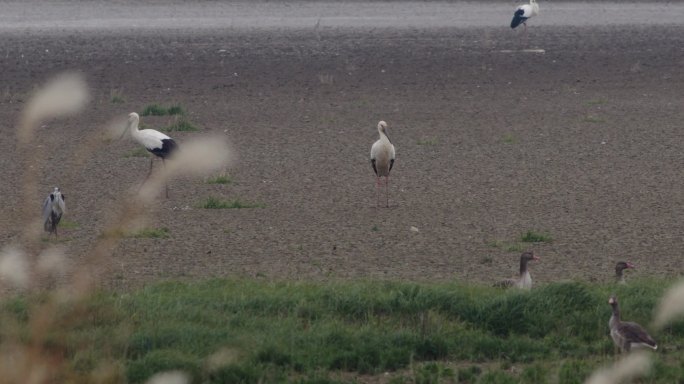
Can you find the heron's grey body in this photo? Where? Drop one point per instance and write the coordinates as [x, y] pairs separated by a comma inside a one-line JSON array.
[[382, 159], [53, 209]]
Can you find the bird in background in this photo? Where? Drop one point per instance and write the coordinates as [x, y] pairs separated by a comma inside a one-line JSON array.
[[53, 209], [382, 161], [619, 271], [524, 280], [523, 13], [159, 144], [626, 334]]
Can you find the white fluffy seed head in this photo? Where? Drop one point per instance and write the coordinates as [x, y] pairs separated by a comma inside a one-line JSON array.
[[52, 261], [64, 95], [14, 267], [671, 306], [635, 365], [195, 157], [172, 377]]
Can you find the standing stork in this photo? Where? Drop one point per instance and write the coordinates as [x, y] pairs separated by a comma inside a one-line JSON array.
[[382, 160], [524, 12], [53, 209], [156, 142]]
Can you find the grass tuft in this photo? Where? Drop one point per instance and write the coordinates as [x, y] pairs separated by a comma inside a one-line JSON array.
[[215, 203], [427, 141], [138, 152], [158, 110], [116, 97], [68, 224], [597, 102], [181, 125], [593, 119], [508, 139], [534, 237], [220, 179]]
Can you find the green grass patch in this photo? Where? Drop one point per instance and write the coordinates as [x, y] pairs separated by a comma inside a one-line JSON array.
[[220, 179], [428, 141], [508, 139], [181, 125], [215, 203], [158, 110], [535, 237], [251, 331], [116, 98], [68, 224], [597, 102], [593, 119]]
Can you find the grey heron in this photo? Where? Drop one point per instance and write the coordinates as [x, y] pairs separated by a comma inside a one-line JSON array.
[[53, 209]]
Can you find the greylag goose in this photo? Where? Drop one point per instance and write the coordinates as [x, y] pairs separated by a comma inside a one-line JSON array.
[[619, 271], [524, 281], [382, 160], [53, 209], [626, 334]]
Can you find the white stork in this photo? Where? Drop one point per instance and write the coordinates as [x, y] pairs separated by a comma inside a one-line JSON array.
[[156, 142], [524, 12], [53, 209], [382, 160]]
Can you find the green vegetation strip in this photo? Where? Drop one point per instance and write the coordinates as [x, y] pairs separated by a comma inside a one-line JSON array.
[[252, 331], [157, 110], [214, 203]]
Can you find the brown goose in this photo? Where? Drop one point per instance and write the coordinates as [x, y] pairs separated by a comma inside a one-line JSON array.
[[626, 334], [619, 269], [525, 280]]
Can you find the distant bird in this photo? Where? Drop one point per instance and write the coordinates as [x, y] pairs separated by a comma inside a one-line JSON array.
[[625, 334], [53, 209], [382, 160], [156, 142], [524, 281], [619, 269], [524, 12]]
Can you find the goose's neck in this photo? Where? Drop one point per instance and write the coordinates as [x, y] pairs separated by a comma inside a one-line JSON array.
[[523, 266], [615, 319]]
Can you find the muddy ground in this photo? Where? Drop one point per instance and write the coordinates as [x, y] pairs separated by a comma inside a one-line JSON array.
[[582, 142]]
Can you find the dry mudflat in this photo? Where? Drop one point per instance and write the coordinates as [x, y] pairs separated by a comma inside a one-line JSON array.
[[579, 138]]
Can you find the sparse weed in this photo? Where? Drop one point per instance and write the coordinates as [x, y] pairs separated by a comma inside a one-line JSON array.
[[181, 125], [214, 203], [137, 152], [158, 110], [597, 102], [427, 141], [534, 237], [508, 138], [220, 179], [375, 228], [593, 119], [68, 224], [116, 97]]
